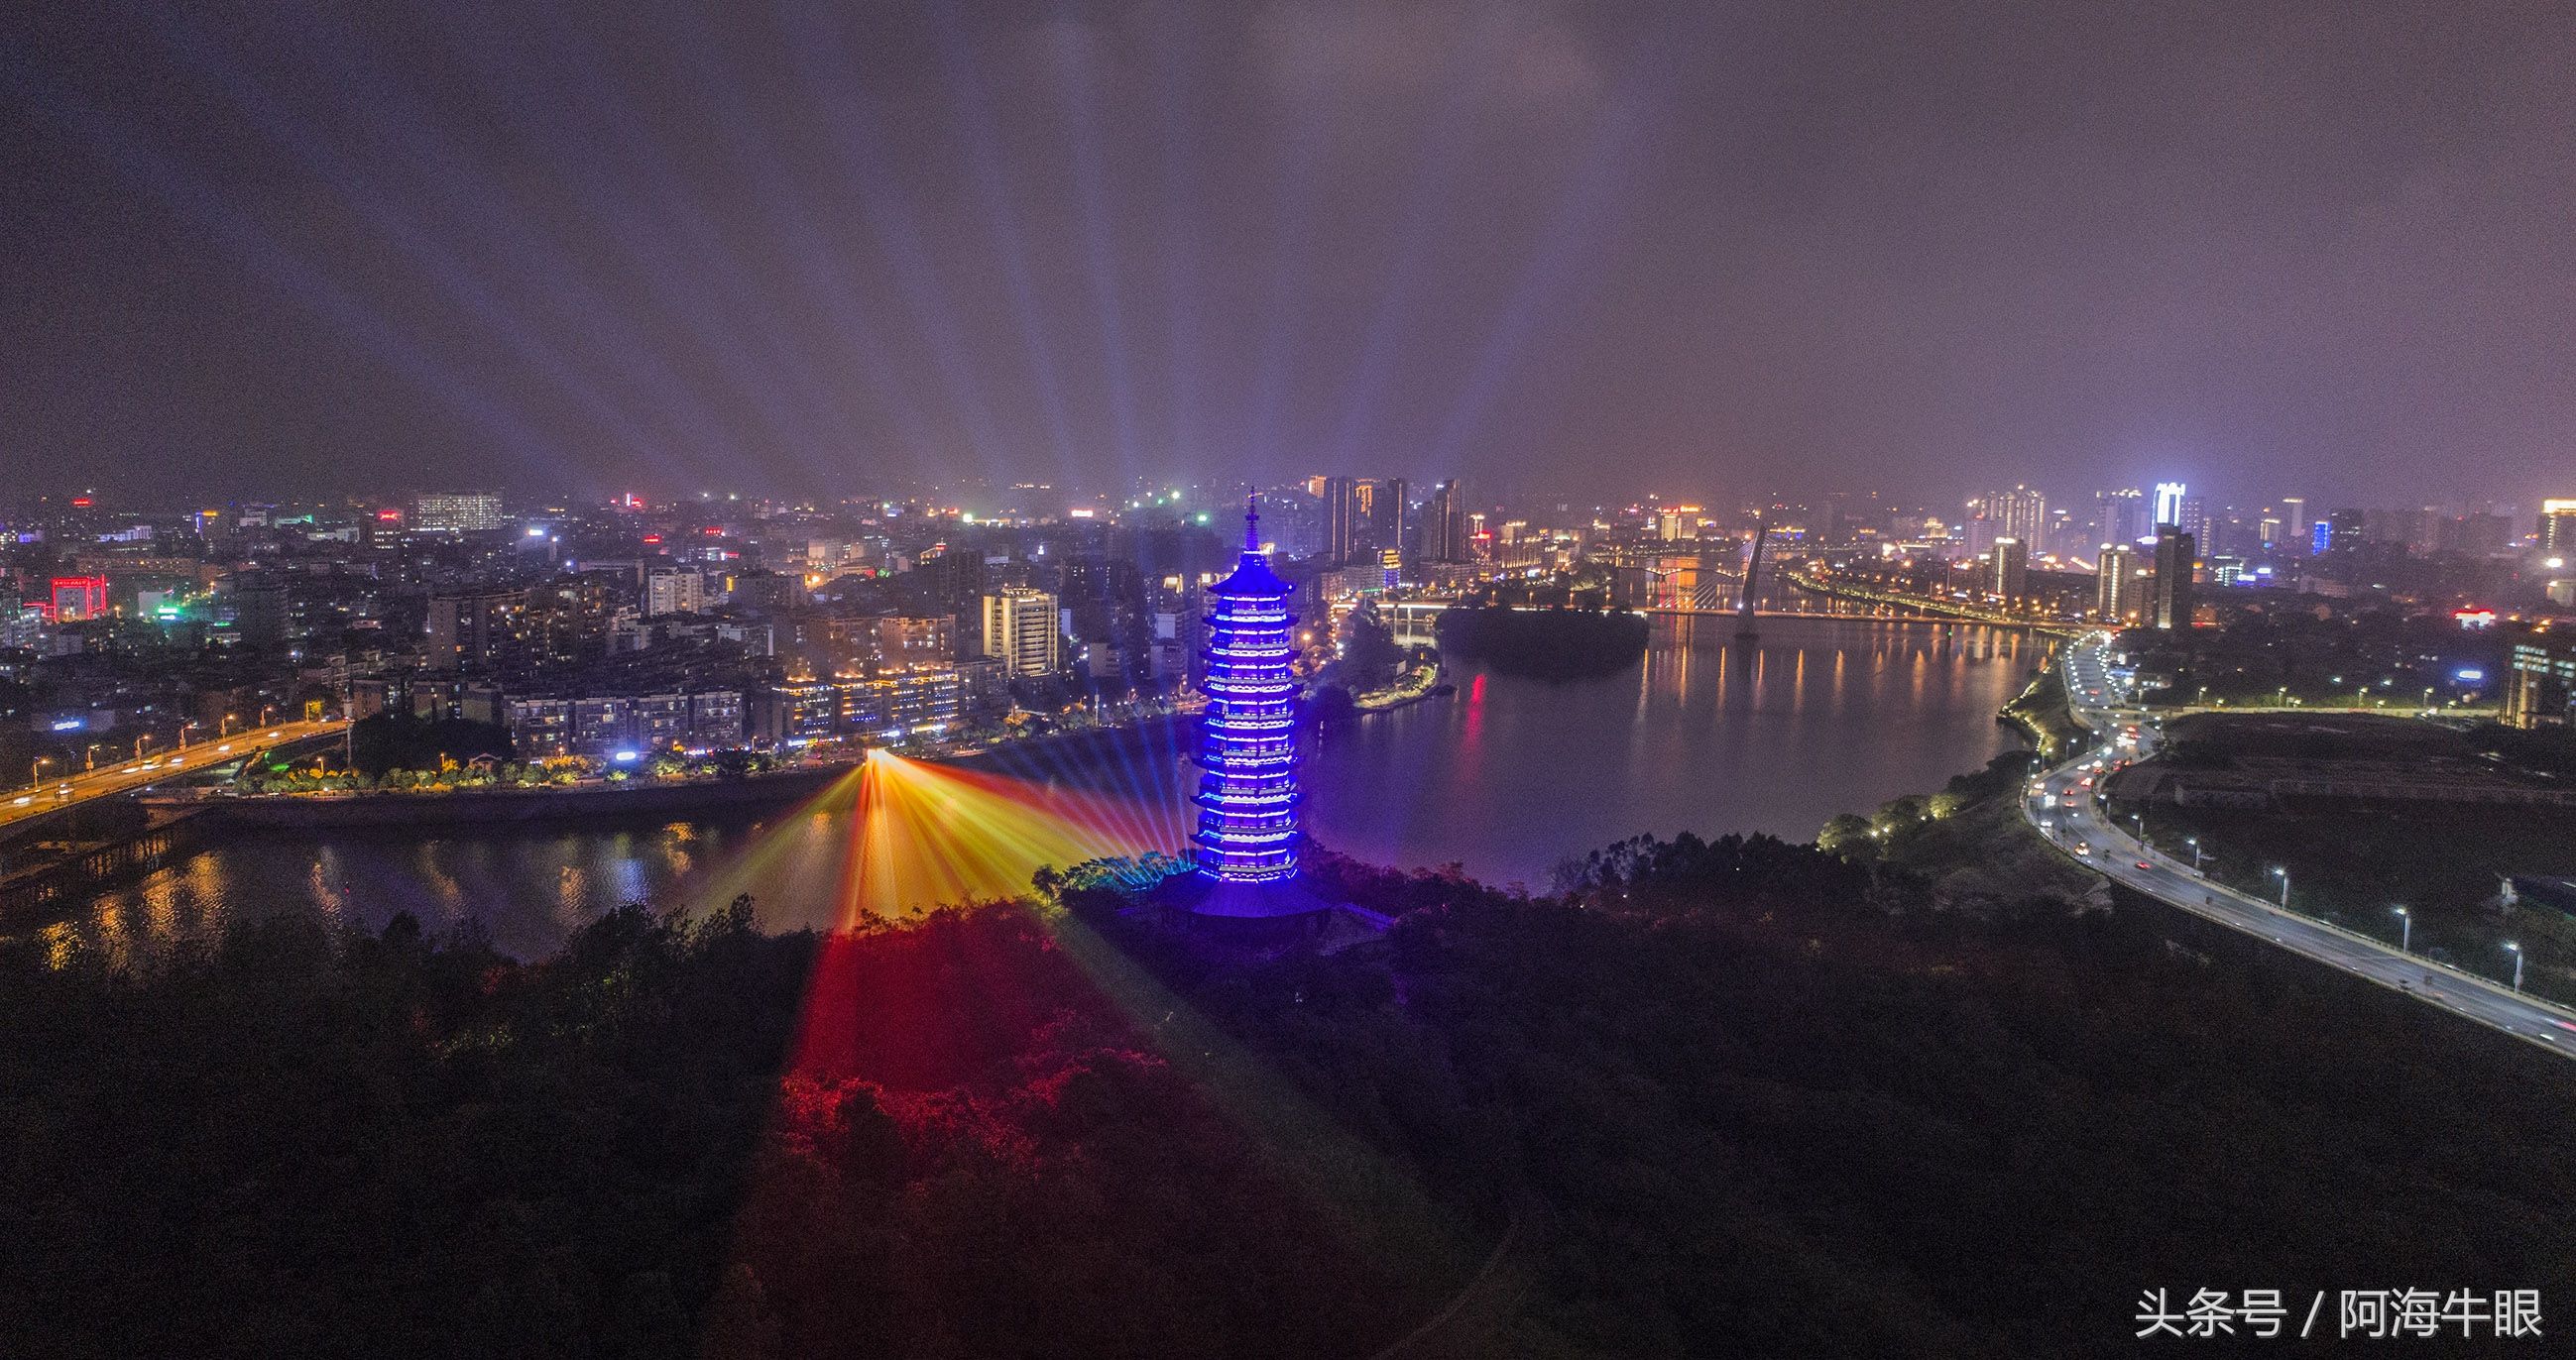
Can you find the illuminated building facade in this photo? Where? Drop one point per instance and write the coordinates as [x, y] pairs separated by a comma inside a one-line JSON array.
[[2115, 597], [2169, 498], [79, 597], [2171, 604], [457, 512], [2540, 689], [2558, 526], [1023, 631], [2010, 577], [1248, 737]]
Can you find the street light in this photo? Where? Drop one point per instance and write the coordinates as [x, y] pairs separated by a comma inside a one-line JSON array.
[[2405, 930], [2194, 843], [139, 744], [2516, 951], [225, 728], [36, 771], [183, 732], [2283, 875]]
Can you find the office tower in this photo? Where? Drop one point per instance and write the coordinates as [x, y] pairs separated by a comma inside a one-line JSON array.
[[2192, 517], [1022, 630], [2294, 517], [2115, 592], [2064, 534], [2124, 516], [2169, 496], [2011, 568], [1341, 519], [2540, 683], [1338, 518], [1247, 794], [2021, 513], [2345, 529], [1444, 523], [2558, 526], [2173, 601]]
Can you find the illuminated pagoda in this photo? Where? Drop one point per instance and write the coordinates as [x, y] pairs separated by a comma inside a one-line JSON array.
[[1248, 737]]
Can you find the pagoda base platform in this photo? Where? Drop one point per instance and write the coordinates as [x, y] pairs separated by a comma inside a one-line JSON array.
[[1265, 917]]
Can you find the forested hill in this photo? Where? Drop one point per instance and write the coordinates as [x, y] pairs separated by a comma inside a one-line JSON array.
[[1723, 1098]]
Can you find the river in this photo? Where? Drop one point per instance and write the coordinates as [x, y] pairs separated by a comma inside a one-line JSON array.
[[1710, 735]]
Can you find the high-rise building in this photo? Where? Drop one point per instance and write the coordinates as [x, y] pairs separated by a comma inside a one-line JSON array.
[[2295, 522], [2169, 497], [1022, 630], [1388, 516], [477, 630], [2540, 685], [2010, 575], [2558, 526], [457, 512], [674, 590], [1173, 649], [906, 644], [2192, 517], [1247, 796], [1345, 509], [2020, 513], [2115, 592], [260, 608], [1980, 533], [2172, 604], [1444, 523], [2124, 516]]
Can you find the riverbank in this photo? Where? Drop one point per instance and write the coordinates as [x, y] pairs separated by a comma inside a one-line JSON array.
[[504, 806], [2043, 714], [1411, 687]]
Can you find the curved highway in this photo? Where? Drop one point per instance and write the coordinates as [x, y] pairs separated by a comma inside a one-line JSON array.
[[2063, 803]]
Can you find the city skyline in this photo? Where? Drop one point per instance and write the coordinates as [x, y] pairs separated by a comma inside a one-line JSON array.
[[1090, 242], [1105, 678]]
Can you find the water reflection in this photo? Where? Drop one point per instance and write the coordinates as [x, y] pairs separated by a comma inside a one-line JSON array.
[[1711, 734]]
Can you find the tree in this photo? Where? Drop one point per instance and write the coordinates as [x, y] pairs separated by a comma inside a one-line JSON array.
[[387, 740]]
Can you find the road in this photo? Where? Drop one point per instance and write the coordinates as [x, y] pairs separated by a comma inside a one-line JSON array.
[[2063, 803], [57, 794]]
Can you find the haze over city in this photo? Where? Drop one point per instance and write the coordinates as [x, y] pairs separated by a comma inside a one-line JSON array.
[[1743, 249], [1426, 679]]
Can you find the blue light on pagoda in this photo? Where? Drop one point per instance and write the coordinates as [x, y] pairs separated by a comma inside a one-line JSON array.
[[1248, 736]]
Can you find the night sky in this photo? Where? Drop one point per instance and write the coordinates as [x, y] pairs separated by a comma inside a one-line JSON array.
[[1711, 248]]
